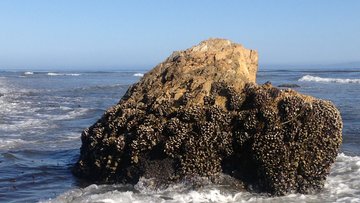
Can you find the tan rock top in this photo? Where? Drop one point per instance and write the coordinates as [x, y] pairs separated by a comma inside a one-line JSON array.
[[195, 69]]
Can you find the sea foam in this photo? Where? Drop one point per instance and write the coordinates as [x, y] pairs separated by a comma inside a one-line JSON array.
[[310, 78], [342, 185], [28, 73], [63, 74], [139, 74]]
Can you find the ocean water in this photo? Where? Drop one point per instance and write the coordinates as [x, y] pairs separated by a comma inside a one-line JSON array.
[[42, 115]]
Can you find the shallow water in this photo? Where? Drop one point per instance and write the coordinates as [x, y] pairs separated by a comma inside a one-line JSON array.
[[42, 115]]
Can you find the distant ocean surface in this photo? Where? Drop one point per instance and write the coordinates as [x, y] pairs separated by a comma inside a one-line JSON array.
[[42, 115]]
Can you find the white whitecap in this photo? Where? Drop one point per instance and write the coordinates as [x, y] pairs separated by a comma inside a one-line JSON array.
[[139, 74], [342, 185], [310, 78], [53, 74], [343, 180], [73, 74], [28, 73], [63, 74]]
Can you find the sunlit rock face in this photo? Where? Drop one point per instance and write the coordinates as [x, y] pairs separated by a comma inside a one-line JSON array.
[[200, 114]]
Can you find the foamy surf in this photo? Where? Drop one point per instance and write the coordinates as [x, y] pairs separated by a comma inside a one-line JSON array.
[[138, 75], [310, 78], [20, 113], [28, 73], [63, 74], [342, 185], [42, 117]]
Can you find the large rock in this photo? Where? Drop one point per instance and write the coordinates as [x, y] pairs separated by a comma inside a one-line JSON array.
[[200, 113]]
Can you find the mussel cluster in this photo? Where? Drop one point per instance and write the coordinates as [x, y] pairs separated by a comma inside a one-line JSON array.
[[274, 141]]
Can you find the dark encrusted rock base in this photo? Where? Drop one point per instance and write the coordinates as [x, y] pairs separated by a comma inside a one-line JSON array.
[[271, 140]]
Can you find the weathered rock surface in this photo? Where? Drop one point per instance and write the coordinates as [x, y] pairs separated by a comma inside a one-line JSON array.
[[199, 113]]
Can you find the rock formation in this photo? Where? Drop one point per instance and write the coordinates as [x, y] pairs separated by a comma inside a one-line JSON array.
[[200, 113]]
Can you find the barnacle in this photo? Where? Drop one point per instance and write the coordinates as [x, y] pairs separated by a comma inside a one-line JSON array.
[[274, 141]]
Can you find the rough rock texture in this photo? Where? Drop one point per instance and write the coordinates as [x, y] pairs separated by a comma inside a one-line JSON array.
[[189, 75], [199, 113]]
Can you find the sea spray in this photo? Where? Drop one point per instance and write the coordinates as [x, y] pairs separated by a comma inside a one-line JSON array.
[[310, 78]]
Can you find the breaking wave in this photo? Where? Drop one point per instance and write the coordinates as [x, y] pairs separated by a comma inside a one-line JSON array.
[[138, 74], [342, 185], [63, 74], [310, 78]]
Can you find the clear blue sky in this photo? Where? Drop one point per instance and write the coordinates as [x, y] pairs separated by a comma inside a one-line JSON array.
[[73, 34]]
